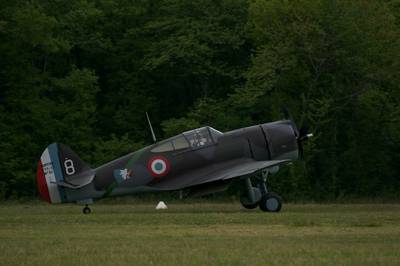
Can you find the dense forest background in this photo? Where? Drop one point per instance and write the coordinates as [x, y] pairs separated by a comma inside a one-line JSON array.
[[84, 72]]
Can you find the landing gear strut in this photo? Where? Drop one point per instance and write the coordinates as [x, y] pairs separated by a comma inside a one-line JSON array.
[[251, 197], [86, 209]]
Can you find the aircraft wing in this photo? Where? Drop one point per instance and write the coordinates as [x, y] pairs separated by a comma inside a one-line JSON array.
[[251, 167], [216, 172]]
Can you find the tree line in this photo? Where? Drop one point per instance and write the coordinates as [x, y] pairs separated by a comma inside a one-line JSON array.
[[83, 73]]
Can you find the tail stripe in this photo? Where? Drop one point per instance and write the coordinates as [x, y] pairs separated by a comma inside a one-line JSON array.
[[48, 170], [58, 174], [42, 183]]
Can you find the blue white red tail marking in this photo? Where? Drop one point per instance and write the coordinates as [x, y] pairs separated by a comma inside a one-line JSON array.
[[49, 172]]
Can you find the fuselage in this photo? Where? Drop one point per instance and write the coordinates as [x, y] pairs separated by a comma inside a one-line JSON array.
[[197, 149], [186, 156]]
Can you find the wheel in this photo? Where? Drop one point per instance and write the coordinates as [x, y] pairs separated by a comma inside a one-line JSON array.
[[86, 210], [247, 203], [271, 202], [250, 206]]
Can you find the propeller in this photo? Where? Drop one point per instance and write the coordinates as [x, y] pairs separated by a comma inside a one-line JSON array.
[[301, 134]]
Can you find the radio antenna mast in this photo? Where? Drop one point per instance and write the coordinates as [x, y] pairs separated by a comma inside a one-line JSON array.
[[151, 128]]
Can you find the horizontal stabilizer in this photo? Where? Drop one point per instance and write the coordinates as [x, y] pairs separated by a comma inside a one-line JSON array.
[[79, 182]]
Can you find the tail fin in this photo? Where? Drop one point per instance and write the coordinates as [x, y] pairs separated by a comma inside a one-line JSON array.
[[59, 168], [72, 166]]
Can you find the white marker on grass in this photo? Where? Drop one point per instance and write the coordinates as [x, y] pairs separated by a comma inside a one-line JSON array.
[[161, 206]]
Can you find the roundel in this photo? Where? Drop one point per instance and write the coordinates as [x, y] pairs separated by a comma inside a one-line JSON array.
[[158, 166]]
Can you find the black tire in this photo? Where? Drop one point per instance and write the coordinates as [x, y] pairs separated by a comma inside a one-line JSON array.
[[86, 210], [250, 206], [271, 202], [245, 201]]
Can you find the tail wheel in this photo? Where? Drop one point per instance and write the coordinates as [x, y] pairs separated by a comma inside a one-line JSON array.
[[86, 210], [271, 202]]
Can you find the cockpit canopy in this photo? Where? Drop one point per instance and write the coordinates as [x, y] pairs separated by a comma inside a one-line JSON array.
[[194, 139]]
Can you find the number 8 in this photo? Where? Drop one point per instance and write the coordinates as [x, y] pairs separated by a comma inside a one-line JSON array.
[[69, 167]]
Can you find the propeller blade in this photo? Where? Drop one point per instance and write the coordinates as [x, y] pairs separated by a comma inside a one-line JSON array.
[[288, 116], [301, 150], [301, 134], [303, 130]]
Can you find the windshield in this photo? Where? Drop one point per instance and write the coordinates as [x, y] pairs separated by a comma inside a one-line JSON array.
[[195, 138], [176, 143], [215, 133]]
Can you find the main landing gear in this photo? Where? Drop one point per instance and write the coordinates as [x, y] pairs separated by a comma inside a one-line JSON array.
[[259, 196], [86, 209]]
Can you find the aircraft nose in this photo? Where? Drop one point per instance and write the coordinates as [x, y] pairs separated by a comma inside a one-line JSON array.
[[42, 184]]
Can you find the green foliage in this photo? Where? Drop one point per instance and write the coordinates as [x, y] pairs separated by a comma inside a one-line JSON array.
[[175, 126], [84, 72], [109, 149], [323, 59]]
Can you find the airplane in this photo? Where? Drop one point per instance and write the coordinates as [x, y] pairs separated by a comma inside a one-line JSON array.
[[202, 160]]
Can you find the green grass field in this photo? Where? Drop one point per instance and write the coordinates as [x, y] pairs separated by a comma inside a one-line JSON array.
[[199, 234]]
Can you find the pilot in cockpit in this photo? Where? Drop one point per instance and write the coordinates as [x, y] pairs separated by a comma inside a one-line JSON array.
[[198, 140]]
